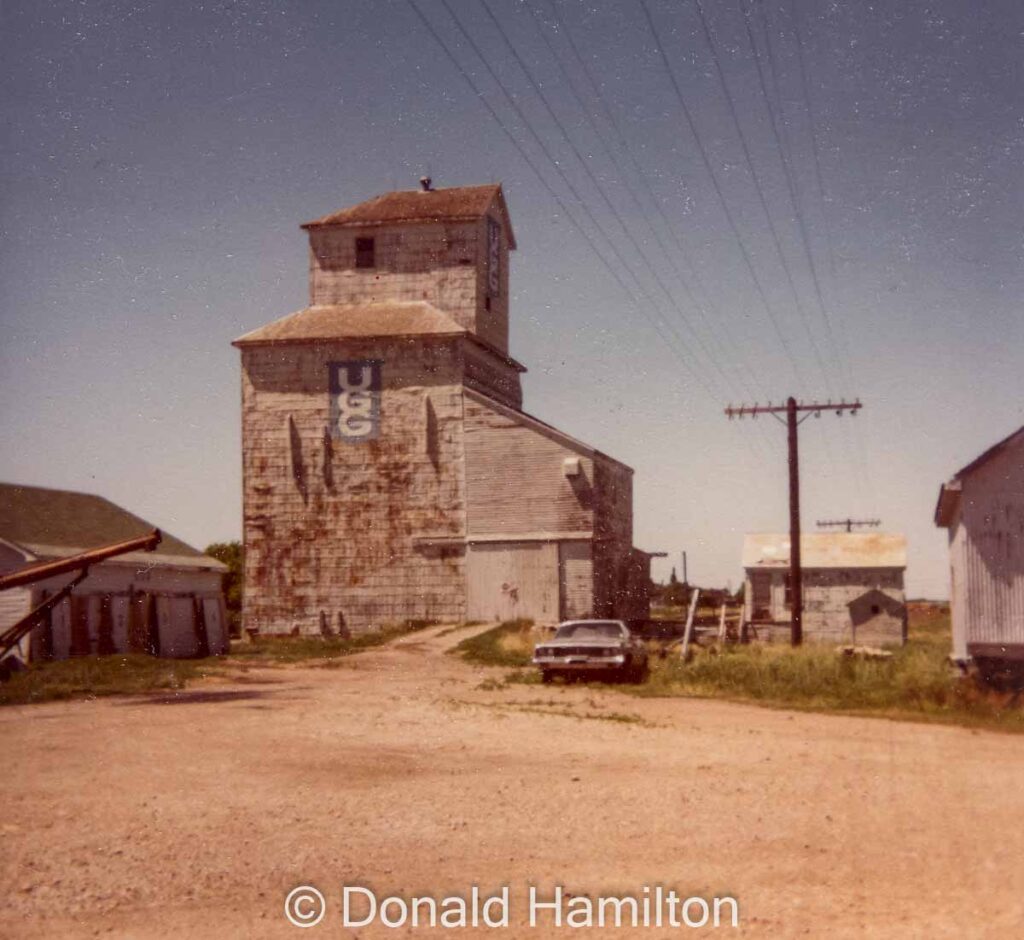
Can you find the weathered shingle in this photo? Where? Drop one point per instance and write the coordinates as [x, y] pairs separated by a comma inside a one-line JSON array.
[[56, 523], [455, 204], [355, 321]]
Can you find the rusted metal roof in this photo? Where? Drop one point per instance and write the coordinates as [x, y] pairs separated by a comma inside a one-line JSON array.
[[454, 204], [355, 321], [56, 523], [827, 550], [949, 493], [1017, 437]]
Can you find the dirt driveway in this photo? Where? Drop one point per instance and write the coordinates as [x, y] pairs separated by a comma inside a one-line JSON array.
[[192, 815]]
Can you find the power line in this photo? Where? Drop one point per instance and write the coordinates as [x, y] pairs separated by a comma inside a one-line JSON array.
[[801, 222], [626, 146], [805, 89], [784, 158], [839, 345], [726, 347], [863, 466], [599, 188], [551, 191], [748, 263], [584, 205], [760, 189]]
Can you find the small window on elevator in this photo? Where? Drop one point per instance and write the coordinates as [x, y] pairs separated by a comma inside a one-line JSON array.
[[365, 253]]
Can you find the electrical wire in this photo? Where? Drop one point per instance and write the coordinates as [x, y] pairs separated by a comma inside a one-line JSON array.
[[706, 160], [560, 202]]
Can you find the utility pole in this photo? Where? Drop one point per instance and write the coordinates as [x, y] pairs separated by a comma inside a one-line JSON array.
[[848, 523], [791, 409]]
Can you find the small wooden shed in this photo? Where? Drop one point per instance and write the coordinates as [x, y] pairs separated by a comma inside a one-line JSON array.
[[853, 586], [982, 507], [168, 602]]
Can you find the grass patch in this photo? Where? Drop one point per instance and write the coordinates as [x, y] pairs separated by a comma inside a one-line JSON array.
[[555, 709], [133, 674], [916, 682], [96, 676], [509, 644]]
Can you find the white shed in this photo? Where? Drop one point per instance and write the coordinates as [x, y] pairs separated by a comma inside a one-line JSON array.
[[167, 602], [982, 506], [853, 586]]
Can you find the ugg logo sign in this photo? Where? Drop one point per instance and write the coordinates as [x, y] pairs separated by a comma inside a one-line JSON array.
[[355, 400]]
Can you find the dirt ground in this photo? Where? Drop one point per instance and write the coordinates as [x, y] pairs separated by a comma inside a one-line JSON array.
[[193, 814]]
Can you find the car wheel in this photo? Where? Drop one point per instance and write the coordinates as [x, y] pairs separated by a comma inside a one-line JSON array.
[[546, 676]]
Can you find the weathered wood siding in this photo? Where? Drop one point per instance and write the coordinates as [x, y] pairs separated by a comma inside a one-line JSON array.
[[96, 618], [515, 478], [17, 602], [866, 606], [492, 377], [987, 555], [576, 580], [516, 485], [509, 580], [14, 604], [334, 530], [457, 483], [445, 264], [619, 590]]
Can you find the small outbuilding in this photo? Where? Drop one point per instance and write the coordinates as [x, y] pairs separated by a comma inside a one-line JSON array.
[[167, 602], [852, 585], [982, 507]]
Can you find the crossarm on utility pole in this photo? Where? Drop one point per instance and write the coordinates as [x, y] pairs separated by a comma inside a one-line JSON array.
[[791, 409]]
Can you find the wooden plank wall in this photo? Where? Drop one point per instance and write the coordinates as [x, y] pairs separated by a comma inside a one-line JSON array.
[[515, 481], [576, 580], [345, 541], [506, 581]]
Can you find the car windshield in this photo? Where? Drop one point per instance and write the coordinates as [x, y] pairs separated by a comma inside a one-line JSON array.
[[599, 630]]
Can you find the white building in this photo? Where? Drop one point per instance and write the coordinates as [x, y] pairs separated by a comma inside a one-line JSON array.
[[982, 506], [167, 602], [852, 581]]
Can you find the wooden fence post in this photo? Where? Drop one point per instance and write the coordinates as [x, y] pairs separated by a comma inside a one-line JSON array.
[[689, 622]]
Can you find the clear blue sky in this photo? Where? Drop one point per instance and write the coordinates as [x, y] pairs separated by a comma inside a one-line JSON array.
[[158, 158]]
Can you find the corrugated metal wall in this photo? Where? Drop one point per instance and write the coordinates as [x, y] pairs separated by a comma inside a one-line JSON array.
[[989, 568]]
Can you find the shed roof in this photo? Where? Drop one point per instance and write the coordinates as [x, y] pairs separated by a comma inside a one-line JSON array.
[[327, 322], [949, 493], [454, 204], [58, 523], [355, 321], [827, 550]]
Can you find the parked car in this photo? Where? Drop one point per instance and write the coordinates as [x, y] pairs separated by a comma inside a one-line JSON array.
[[592, 648]]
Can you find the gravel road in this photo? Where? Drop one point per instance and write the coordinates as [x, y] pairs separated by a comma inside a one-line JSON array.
[[193, 814]]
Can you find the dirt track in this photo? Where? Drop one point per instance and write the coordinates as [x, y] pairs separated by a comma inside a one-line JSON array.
[[193, 815]]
